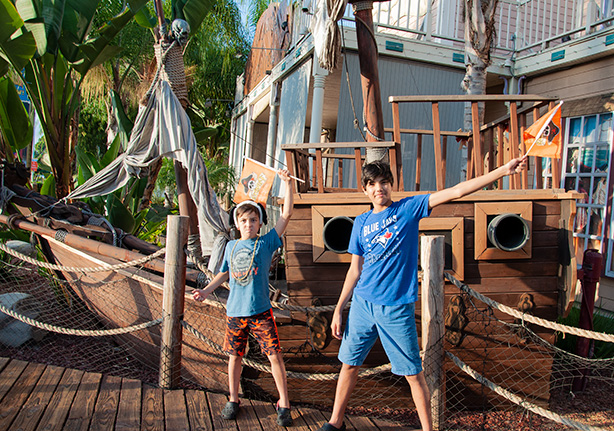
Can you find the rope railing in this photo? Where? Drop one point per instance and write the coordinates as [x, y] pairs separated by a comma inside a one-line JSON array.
[[275, 304], [292, 374], [529, 317], [519, 400], [79, 332], [101, 268], [138, 262]]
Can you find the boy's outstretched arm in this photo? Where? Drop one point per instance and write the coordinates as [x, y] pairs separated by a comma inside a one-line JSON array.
[[351, 279], [201, 294], [466, 187], [288, 207]]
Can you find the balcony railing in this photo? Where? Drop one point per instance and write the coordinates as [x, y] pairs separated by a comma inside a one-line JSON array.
[[523, 26]]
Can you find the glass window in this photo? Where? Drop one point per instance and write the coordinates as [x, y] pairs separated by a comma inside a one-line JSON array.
[[587, 157]]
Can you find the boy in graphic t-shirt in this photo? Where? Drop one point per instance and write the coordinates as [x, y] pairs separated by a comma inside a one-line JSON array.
[[248, 309], [382, 282]]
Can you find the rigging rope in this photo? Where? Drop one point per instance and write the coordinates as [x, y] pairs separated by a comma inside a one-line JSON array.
[[80, 332], [518, 400], [102, 268], [529, 317]]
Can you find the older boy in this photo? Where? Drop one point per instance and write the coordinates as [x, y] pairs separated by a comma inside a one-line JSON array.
[[383, 284]]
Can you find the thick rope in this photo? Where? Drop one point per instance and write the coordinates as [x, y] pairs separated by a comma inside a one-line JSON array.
[[278, 305], [267, 369], [102, 268], [529, 317], [518, 400], [80, 332]]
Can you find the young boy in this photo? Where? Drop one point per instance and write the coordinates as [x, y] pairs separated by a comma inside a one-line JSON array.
[[246, 262], [382, 282]]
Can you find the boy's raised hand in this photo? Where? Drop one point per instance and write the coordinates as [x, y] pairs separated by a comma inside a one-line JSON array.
[[515, 166], [284, 174]]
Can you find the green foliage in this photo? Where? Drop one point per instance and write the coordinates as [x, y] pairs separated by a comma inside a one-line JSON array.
[[92, 128], [14, 119], [601, 323]]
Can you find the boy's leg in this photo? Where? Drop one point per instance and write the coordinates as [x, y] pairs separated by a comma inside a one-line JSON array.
[[422, 399], [278, 369], [345, 385], [234, 377]]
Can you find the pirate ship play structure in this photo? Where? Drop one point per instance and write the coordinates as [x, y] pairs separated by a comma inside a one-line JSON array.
[[526, 261]]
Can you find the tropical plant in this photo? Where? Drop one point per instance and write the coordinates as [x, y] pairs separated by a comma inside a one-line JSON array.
[[55, 45]]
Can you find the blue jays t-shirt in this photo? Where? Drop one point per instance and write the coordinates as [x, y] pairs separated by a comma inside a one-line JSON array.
[[388, 241], [249, 280]]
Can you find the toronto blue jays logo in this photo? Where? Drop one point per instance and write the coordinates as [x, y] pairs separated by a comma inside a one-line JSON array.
[[383, 238]]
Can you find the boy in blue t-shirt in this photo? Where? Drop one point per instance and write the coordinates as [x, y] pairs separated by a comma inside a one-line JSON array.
[[248, 309], [382, 282]]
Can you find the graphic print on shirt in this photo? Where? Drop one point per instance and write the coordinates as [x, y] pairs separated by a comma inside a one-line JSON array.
[[243, 268], [379, 237]]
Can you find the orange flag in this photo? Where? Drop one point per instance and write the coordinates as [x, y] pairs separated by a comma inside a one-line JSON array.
[[543, 137], [255, 182]]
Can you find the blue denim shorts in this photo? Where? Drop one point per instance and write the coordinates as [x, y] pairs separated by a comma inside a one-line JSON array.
[[396, 327]]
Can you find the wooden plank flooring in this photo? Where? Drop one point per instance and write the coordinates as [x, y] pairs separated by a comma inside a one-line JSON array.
[[46, 397]]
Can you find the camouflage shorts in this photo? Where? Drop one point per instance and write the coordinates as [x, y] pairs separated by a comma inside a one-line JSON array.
[[263, 328]]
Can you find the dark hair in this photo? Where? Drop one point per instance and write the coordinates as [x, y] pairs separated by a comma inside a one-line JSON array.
[[239, 210], [372, 171]]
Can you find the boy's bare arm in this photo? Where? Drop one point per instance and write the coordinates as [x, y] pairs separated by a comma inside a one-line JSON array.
[[351, 279], [466, 187], [288, 207], [201, 294]]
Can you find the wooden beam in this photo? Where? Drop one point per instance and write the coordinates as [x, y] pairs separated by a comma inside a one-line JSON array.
[[539, 177], [433, 328], [319, 173], [437, 146], [418, 161], [477, 141], [514, 141]]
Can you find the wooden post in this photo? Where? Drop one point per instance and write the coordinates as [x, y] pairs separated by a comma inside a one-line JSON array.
[[173, 301], [439, 176], [432, 261], [369, 78]]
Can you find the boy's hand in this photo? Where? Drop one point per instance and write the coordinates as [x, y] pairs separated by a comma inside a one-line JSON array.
[[199, 295], [284, 174], [515, 166], [335, 326]]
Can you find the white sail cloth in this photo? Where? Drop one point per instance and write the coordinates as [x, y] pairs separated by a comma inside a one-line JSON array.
[[326, 33], [163, 129]]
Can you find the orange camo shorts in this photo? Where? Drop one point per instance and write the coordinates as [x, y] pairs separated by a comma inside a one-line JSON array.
[[263, 328]]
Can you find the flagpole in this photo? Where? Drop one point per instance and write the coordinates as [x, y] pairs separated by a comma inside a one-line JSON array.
[[271, 169], [546, 124]]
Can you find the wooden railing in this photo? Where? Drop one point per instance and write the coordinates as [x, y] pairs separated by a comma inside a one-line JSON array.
[[488, 146], [483, 135], [299, 159]]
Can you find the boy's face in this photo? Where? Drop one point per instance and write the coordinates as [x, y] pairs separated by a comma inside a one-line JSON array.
[[379, 192], [249, 224]]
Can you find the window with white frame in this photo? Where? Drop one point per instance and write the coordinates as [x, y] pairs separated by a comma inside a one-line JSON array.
[[588, 142]]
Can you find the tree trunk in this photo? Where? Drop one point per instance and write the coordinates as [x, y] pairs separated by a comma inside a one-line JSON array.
[[479, 35]]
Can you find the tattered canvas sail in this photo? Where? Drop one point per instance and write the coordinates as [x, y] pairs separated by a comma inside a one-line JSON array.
[[163, 129]]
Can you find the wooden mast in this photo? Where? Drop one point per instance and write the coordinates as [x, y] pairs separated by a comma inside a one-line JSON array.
[[187, 207], [369, 77]]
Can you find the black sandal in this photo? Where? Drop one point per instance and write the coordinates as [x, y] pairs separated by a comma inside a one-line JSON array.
[[329, 427], [284, 417], [230, 410]]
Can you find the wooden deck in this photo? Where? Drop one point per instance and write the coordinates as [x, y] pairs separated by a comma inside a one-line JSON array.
[[46, 397]]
